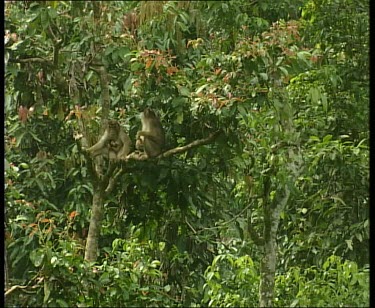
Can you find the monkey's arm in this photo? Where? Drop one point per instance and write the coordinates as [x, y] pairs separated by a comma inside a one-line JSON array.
[[126, 144], [100, 151], [101, 146], [157, 138]]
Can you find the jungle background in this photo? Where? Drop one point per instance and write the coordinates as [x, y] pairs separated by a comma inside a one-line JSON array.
[[272, 211]]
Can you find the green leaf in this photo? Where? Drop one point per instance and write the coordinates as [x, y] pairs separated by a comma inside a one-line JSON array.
[[314, 138], [210, 275], [366, 223], [242, 110], [161, 246], [201, 88], [47, 291], [350, 244], [284, 70], [51, 11], [35, 137], [327, 138], [324, 101], [24, 166], [359, 237], [264, 76], [295, 303], [128, 83], [54, 260], [15, 45], [180, 118], [339, 199], [135, 66], [37, 257], [333, 79], [44, 19], [62, 303], [184, 91], [6, 57], [314, 94], [304, 56]]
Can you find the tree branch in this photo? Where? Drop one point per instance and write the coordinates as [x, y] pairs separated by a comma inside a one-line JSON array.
[[112, 180], [194, 144], [31, 60], [14, 288], [108, 180]]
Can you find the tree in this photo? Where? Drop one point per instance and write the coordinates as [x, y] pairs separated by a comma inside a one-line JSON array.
[[264, 110]]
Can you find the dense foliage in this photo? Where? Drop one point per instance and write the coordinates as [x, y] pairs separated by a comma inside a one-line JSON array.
[[280, 80]]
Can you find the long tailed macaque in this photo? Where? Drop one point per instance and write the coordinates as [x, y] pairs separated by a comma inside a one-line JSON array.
[[151, 138], [114, 144]]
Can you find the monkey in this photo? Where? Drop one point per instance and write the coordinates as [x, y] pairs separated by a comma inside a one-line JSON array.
[[114, 144], [131, 23], [151, 138]]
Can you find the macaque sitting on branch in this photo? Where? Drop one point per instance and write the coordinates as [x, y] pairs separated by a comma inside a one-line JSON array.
[[114, 144], [151, 138]]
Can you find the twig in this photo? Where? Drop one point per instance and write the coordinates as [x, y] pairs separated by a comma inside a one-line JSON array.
[[190, 226], [14, 288]]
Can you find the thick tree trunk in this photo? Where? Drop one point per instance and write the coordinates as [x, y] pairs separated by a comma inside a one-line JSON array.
[[93, 236], [267, 274], [268, 264], [92, 242]]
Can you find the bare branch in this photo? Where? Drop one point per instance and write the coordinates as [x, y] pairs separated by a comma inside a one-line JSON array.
[[32, 60], [194, 144], [14, 288]]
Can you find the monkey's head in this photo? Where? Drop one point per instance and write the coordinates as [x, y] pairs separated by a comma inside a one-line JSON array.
[[148, 114], [113, 125]]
